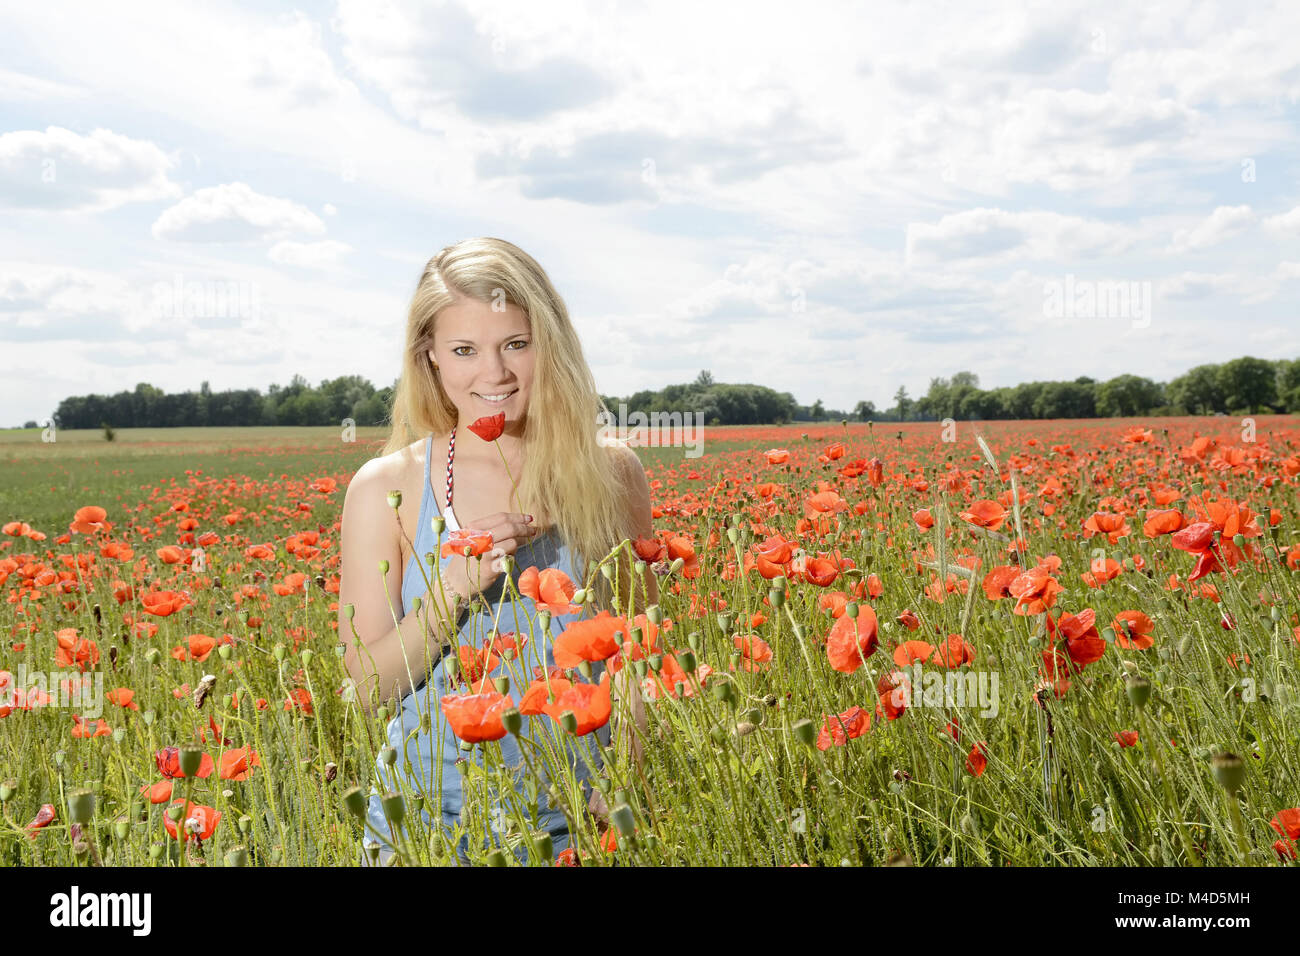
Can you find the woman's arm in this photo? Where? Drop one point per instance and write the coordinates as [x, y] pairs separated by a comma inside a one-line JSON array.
[[369, 535]]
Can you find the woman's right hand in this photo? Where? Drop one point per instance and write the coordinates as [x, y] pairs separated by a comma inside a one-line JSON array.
[[470, 576]]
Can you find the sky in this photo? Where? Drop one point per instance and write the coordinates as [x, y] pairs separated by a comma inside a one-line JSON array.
[[831, 199]]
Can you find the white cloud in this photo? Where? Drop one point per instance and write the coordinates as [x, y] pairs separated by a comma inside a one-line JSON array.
[[233, 212], [61, 170], [983, 236], [1284, 224], [1223, 223]]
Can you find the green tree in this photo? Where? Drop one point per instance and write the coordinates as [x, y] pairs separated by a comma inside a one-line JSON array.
[[1248, 384]]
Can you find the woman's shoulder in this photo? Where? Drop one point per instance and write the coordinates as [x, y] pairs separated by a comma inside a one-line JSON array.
[[395, 471]]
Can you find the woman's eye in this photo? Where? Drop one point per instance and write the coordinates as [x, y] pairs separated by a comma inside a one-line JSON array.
[[457, 350], [519, 342]]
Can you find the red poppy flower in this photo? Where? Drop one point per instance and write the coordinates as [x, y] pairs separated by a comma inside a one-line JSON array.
[[838, 730], [44, 816], [159, 792], [847, 644], [238, 764], [205, 820], [475, 718], [468, 542], [535, 699], [168, 761], [590, 704], [777, 456], [755, 652], [88, 520], [1126, 738], [550, 590], [163, 603], [977, 760], [985, 514], [489, 427], [590, 640], [1133, 629]]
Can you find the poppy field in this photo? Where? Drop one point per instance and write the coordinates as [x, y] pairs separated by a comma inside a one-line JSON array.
[[1060, 643]]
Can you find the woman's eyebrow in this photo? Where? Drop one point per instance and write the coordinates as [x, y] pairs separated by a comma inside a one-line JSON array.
[[508, 338]]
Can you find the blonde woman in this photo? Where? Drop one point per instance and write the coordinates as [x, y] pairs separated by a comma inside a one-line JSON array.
[[487, 335]]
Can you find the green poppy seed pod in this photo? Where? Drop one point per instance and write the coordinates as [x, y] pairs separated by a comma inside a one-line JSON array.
[[451, 667], [153, 656], [278, 651], [723, 690], [745, 728], [1197, 488], [349, 611], [388, 755], [624, 820], [656, 662], [119, 735], [438, 524], [383, 565], [242, 615], [804, 731], [1229, 771], [417, 802], [190, 757], [417, 604], [496, 858], [245, 823], [693, 639], [543, 845], [677, 565], [155, 850], [606, 572], [147, 717], [638, 635], [1275, 613], [304, 764], [466, 746], [1139, 690], [851, 609], [394, 500], [512, 720], [724, 621], [237, 856], [544, 617], [569, 721], [382, 712], [306, 657], [780, 583], [81, 806], [753, 715], [716, 732], [736, 658], [1034, 640], [226, 651], [174, 813], [7, 789], [687, 660], [1282, 696], [733, 535], [394, 808], [679, 689], [1239, 540], [776, 598], [121, 828], [654, 614], [640, 666], [277, 854], [584, 668], [602, 784], [638, 568], [58, 756], [1108, 635], [426, 722], [502, 684]]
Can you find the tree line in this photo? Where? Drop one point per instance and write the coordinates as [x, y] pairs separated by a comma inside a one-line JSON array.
[[1241, 386]]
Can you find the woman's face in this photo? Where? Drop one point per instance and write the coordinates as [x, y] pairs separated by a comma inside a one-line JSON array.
[[485, 359]]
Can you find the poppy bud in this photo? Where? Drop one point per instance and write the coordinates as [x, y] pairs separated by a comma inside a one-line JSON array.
[[383, 565], [776, 598], [382, 712], [623, 819], [656, 662], [121, 828], [1282, 696], [511, 719], [745, 728], [1185, 646], [584, 668], [237, 856], [693, 639], [451, 667], [717, 733], [147, 717], [278, 651], [225, 651], [153, 655], [753, 715], [654, 614], [723, 690], [687, 660], [1239, 540], [543, 846], [569, 721], [640, 667], [394, 808], [1108, 635], [606, 572], [496, 858], [804, 731], [1139, 690], [81, 806], [155, 850], [7, 789], [736, 658], [677, 565], [305, 656], [394, 500], [638, 568], [733, 535], [1229, 771], [679, 689], [190, 757], [349, 611]]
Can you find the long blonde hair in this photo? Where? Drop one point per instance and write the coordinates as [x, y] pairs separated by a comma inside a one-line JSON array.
[[567, 474]]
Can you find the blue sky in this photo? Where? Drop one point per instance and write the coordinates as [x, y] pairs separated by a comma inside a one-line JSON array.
[[834, 199]]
